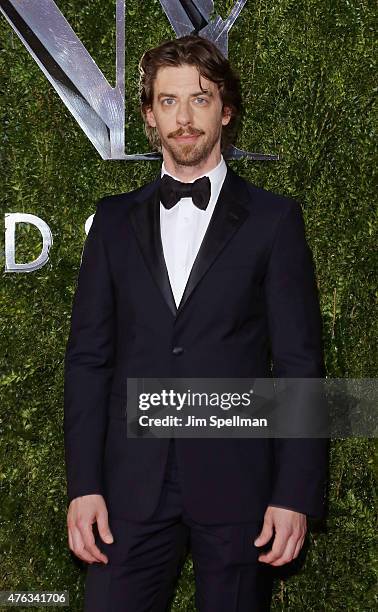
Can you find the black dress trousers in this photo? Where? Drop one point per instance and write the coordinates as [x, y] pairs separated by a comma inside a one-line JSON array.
[[146, 558]]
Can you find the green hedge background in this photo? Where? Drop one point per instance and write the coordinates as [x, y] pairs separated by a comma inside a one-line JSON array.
[[307, 69]]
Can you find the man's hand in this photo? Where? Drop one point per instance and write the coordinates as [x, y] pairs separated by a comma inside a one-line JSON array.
[[82, 513], [290, 530]]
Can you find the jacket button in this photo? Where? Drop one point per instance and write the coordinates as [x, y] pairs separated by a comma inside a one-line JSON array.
[[177, 350]]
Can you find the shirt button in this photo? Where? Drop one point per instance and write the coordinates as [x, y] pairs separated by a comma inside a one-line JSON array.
[[177, 350]]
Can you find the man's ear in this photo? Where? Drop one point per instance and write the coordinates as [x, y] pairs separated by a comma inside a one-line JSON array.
[[150, 117], [227, 114]]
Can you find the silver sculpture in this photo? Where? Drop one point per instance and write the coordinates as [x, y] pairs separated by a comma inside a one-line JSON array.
[[193, 17], [98, 108]]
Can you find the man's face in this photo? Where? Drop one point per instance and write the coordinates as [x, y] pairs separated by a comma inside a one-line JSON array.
[[189, 122]]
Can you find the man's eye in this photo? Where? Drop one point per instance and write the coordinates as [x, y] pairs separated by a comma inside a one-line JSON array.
[[168, 101], [201, 100]]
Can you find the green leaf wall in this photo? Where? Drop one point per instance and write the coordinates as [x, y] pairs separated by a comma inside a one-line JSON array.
[[307, 71]]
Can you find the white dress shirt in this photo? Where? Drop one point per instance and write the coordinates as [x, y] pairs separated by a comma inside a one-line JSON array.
[[183, 227]]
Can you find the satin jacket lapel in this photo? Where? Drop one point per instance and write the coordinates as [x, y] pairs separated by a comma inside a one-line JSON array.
[[229, 214], [145, 219]]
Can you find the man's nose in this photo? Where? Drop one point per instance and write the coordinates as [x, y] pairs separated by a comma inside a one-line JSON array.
[[184, 113]]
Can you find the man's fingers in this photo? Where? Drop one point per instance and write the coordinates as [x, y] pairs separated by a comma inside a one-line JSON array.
[[103, 527], [83, 512], [278, 547], [290, 530], [89, 543], [288, 552], [70, 542], [265, 534], [299, 546], [285, 548], [78, 546]]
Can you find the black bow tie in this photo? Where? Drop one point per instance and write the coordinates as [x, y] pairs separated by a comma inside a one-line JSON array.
[[171, 191]]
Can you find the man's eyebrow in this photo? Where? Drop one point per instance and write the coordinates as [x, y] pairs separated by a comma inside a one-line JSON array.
[[206, 92]]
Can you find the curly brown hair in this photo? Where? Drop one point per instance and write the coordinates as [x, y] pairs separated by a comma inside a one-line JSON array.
[[211, 64]]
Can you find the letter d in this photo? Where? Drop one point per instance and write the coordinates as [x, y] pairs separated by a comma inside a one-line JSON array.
[[10, 225]]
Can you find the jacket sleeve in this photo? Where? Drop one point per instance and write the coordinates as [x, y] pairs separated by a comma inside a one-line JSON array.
[[295, 330], [88, 366]]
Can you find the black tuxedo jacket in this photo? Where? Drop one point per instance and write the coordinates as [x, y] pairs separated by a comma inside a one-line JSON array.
[[250, 309]]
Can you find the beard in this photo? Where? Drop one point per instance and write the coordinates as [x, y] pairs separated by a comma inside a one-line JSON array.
[[191, 153]]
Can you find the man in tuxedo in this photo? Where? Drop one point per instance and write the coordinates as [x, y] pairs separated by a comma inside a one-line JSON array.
[[197, 274]]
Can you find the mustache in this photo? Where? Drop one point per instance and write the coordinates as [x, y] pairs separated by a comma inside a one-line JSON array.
[[188, 132]]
